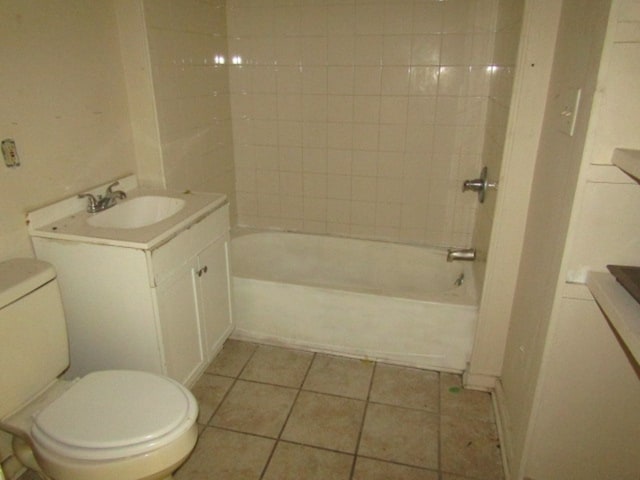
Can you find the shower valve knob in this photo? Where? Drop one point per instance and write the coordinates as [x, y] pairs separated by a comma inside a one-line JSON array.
[[473, 185], [479, 185]]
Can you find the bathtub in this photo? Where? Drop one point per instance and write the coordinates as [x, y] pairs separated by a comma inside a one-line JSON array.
[[366, 299]]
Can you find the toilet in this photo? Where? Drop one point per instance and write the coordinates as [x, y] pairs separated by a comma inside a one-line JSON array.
[[114, 424]]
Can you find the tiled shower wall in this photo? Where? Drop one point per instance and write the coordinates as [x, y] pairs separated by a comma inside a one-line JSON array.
[[187, 39], [503, 61], [360, 118]]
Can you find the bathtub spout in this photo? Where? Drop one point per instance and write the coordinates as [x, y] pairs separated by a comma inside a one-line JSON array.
[[466, 254]]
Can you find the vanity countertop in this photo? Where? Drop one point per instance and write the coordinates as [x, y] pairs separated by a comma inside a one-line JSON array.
[[67, 219]]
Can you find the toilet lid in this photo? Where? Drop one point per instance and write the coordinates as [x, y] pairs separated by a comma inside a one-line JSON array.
[[115, 413]]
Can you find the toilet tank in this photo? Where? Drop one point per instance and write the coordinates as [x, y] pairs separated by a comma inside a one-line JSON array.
[[33, 333]]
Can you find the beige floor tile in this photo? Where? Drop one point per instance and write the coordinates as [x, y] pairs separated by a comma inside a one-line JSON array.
[[30, 475], [470, 448], [325, 421], [221, 454], [255, 408], [297, 462], [458, 402], [232, 358], [209, 390], [347, 377], [368, 469], [400, 435], [279, 366], [405, 387]]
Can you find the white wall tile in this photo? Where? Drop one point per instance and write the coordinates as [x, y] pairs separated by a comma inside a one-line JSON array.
[[423, 80], [369, 19], [427, 17], [368, 50], [380, 109]]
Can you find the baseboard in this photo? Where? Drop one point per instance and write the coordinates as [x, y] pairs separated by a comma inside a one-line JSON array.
[[344, 351], [476, 381], [502, 423]]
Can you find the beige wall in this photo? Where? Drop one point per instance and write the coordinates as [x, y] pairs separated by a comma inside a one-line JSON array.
[[358, 118], [508, 219], [64, 102], [569, 393], [559, 159], [587, 423]]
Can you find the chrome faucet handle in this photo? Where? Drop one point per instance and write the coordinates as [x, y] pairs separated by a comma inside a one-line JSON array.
[[475, 185], [479, 185], [98, 203], [110, 187], [118, 193], [93, 202]]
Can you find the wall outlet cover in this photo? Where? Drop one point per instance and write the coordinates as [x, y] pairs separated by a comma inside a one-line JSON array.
[[10, 153]]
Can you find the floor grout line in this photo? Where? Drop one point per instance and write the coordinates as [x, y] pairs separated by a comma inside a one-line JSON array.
[[284, 424], [364, 416], [439, 407], [227, 393], [442, 400]]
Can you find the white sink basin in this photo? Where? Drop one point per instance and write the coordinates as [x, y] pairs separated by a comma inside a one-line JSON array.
[[137, 212]]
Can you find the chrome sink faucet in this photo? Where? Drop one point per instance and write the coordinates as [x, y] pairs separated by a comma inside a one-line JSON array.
[[102, 202], [467, 254]]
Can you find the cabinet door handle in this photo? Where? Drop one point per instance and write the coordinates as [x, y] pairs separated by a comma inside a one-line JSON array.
[[202, 271]]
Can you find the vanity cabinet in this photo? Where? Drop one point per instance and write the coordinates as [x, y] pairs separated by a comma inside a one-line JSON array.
[[198, 291], [164, 309], [181, 333], [214, 294]]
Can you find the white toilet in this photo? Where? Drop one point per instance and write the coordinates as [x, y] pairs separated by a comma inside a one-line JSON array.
[[115, 424]]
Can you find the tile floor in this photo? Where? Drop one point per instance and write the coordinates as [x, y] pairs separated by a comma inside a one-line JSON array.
[[274, 413], [279, 414]]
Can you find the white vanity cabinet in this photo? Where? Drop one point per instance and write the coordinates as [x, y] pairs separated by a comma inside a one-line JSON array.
[[197, 289], [163, 309], [215, 310]]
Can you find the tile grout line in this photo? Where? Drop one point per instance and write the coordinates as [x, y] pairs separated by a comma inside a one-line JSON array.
[[284, 424], [233, 383], [441, 401], [224, 397], [332, 450], [364, 416]]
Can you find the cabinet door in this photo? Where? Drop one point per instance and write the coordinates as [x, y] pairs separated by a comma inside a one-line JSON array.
[[214, 295], [179, 322]]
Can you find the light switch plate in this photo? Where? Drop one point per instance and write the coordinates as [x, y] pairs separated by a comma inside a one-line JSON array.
[[569, 102]]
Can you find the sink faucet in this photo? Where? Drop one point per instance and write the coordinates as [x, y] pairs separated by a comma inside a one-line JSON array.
[[467, 254], [102, 202]]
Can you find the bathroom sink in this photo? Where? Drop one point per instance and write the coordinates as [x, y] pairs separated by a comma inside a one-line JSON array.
[[143, 220], [137, 212]]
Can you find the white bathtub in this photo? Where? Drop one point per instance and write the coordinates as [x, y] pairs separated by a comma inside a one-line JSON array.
[[375, 300]]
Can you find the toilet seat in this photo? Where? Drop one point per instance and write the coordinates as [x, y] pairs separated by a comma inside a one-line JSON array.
[[114, 414]]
